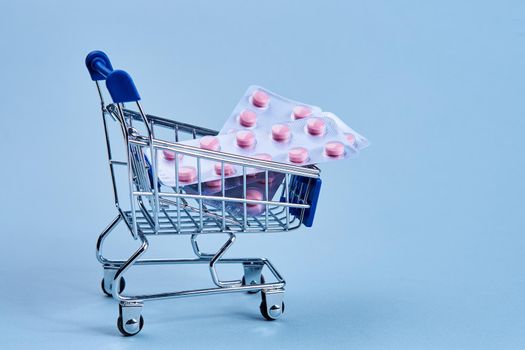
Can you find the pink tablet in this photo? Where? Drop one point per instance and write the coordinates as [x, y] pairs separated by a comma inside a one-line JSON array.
[[350, 138], [316, 126], [262, 178], [187, 174], [334, 149], [300, 112], [211, 143], [281, 132], [298, 155], [260, 98], [168, 155], [216, 184], [255, 194], [228, 169], [247, 118], [245, 138]]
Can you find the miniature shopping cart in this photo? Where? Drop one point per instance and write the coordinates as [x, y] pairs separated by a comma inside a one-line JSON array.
[[151, 208]]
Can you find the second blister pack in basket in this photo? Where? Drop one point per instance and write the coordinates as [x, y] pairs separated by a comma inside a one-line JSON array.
[[301, 142]]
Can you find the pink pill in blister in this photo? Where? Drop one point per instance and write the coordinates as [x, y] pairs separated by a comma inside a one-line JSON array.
[[245, 138], [214, 183], [254, 194], [247, 118], [168, 155], [260, 98], [254, 208], [315, 126], [334, 149], [298, 155], [281, 132], [187, 174], [228, 169], [300, 112], [350, 138], [262, 178], [211, 143]]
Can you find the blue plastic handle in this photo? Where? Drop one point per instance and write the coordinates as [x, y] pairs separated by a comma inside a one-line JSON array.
[[119, 83], [121, 87], [98, 65]]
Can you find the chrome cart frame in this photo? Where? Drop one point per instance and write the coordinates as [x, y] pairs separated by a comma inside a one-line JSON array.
[[152, 209]]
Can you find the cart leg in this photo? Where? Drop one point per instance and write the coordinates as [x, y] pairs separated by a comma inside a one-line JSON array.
[[130, 320], [117, 278], [216, 258], [272, 305], [196, 249], [103, 236], [109, 270], [109, 280]]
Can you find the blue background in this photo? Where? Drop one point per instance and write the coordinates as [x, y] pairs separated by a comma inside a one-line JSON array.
[[418, 243]]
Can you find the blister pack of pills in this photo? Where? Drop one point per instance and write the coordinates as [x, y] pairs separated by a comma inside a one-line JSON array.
[[266, 126], [304, 141], [255, 190], [260, 108]]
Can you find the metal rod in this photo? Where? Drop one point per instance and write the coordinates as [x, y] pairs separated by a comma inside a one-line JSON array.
[[229, 199]]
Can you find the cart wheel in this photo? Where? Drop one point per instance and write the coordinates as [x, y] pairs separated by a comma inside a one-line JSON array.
[[120, 326], [275, 311], [121, 289], [253, 291]]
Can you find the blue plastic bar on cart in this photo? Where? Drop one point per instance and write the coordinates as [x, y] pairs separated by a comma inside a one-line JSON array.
[[312, 199], [119, 83]]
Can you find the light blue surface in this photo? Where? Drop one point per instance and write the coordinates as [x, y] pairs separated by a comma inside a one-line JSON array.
[[418, 243]]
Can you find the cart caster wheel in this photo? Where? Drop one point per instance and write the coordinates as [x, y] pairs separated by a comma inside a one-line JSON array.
[[273, 313], [130, 327], [121, 289], [253, 291], [272, 305]]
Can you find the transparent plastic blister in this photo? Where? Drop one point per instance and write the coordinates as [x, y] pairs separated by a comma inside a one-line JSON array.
[[355, 139], [260, 108], [255, 190], [265, 126], [301, 142]]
